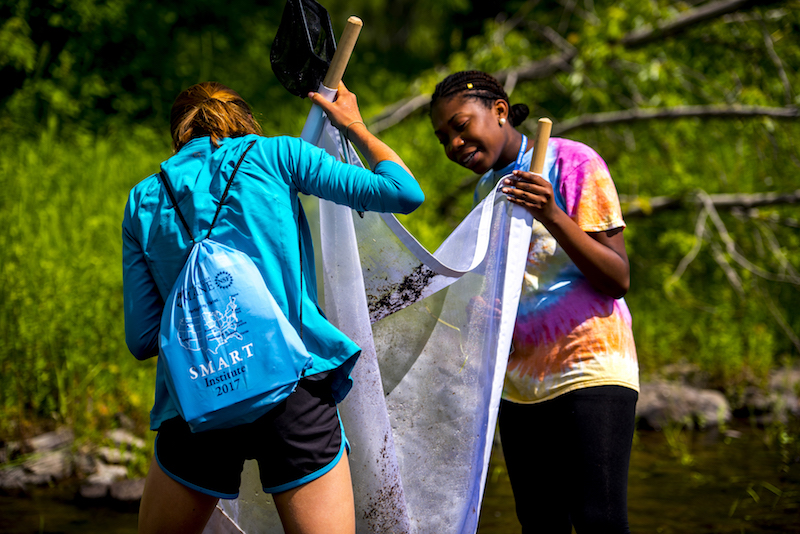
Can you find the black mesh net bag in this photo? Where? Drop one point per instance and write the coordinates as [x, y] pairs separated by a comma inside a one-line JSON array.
[[303, 46]]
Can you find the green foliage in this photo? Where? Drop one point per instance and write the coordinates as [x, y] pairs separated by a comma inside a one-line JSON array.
[[87, 85], [100, 65], [62, 348], [702, 319]]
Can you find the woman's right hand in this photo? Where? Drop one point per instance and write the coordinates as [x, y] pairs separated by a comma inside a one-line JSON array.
[[533, 193], [343, 111], [344, 114]]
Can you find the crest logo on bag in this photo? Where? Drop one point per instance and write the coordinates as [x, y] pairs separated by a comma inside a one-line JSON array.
[[223, 279]]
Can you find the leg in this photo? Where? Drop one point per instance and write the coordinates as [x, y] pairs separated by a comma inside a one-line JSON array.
[[603, 422], [324, 505], [169, 506], [533, 446]]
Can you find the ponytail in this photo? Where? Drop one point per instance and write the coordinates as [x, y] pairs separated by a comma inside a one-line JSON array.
[[210, 109]]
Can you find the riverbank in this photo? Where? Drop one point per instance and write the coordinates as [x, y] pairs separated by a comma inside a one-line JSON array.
[[740, 479], [679, 423]]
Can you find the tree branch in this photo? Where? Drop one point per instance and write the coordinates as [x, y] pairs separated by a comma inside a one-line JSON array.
[[687, 19], [730, 272], [528, 71], [551, 35], [569, 8], [398, 111], [699, 230], [548, 66], [518, 17], [679, 112], [708, 211], [730, 245], [776, 314], [534, 70], [775, 247], [637, 206], [772, 218], [776, 60]]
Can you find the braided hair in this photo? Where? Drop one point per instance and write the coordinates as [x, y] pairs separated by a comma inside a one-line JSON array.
[[478, 85]]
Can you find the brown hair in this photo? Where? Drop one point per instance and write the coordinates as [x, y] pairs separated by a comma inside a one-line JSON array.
[[210, 109]]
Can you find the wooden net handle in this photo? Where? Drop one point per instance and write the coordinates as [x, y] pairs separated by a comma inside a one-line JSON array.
[[342, 55], [540, 145]]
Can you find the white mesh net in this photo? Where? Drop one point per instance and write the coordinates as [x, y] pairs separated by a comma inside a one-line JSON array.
[[435, 332]]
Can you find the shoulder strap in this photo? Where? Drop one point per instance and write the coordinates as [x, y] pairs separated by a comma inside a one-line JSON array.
[[165, 181], [228, 186]]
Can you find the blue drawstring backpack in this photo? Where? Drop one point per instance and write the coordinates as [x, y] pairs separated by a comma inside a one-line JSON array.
[[230, 353]]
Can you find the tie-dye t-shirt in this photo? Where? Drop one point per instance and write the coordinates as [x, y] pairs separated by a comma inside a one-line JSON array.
[[568, 335]]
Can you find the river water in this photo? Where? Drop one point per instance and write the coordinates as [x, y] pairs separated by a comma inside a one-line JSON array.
[[745, 480]]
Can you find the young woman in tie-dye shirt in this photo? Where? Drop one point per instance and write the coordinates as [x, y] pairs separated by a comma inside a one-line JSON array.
[[567, 415]]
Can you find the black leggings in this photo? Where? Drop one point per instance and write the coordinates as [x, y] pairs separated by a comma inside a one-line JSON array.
[[568, 460]]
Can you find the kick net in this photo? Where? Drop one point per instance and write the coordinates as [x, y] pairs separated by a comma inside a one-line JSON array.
[[303, 46], [435, 331]]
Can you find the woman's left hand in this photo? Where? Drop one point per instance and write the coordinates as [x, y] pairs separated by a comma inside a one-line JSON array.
[[600, 256], [533, 193]]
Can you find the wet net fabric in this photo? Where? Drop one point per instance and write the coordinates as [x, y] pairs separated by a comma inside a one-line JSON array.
[[435, 331]]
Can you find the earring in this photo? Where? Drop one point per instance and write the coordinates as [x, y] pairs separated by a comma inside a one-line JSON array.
[[502, 121]]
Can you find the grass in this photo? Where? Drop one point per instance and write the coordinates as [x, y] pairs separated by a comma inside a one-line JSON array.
[[63, 358]]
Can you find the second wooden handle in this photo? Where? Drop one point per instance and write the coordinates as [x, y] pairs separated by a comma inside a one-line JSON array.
[[540, 145]]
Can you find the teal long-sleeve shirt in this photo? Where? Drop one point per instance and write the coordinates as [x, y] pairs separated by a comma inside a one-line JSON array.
[[261, 217]]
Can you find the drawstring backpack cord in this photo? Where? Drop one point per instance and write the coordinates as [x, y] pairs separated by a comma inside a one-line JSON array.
[[300, 252], [228, 186], [165, 181]]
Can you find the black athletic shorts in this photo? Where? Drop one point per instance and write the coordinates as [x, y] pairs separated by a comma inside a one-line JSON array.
[[296, 442]]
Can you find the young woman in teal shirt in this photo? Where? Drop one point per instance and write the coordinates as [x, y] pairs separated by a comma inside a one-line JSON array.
[[300, 445]]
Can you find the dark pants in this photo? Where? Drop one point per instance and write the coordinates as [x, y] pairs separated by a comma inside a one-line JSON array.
[[568, 460]]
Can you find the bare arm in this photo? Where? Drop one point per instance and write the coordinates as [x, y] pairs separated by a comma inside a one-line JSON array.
[[600, 256], [345, 115]]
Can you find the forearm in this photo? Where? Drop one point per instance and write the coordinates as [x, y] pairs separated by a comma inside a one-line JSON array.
[[141, 300], [142, 320], [345, 115], [373, 149], [600, 257]]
